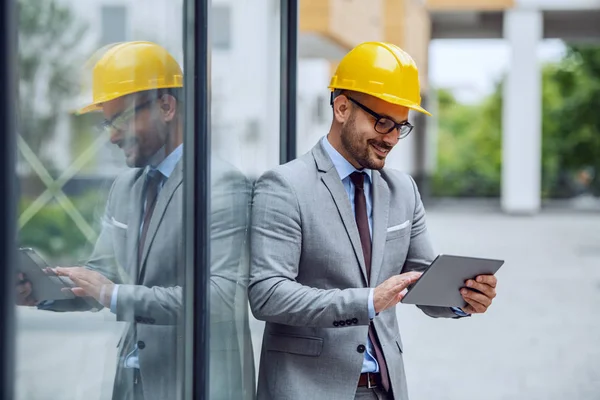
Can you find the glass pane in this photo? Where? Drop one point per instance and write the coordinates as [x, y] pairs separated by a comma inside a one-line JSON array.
[[245, 143], [100, 177]]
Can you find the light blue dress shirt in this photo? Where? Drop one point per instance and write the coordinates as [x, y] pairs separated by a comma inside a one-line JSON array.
[[344, 170], [166, 167]]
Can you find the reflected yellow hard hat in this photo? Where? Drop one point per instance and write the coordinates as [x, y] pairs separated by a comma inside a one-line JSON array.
[[130, 67], [382, 70]]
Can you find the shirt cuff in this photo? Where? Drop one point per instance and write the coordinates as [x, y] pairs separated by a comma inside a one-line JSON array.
[[44, 303], [113, 300], [371, 304], [460, 312]]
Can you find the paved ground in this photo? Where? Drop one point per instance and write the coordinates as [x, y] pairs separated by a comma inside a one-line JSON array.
[[541, 340]]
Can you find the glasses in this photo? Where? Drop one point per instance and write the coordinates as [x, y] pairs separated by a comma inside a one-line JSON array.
[[121, 121], [385, 125]]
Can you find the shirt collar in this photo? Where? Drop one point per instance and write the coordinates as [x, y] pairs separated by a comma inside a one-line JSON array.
[[343, 167], [167, 166]]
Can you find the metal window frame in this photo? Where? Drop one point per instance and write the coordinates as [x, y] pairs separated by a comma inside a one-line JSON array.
[[289, 80], [197, 93], [197, 63], [8, 211]]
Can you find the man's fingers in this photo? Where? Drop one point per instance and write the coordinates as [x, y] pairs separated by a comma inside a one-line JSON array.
[[80, 281], [406, 280], [412, 276], [67, 271], [78, 275], [79, 292], [23, 290], [474, 306], [488, 280], [484, 288], [478, 297], [31, 302]]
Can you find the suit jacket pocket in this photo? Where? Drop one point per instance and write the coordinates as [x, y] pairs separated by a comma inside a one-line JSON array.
[[302, 345], [395, 234]]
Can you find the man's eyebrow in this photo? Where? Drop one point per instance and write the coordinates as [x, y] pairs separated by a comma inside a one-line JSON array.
[[113, 118], [393, 119]]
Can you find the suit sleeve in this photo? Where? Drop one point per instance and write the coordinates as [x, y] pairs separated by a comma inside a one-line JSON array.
[[102, 260], [276, 246], [421, 254]]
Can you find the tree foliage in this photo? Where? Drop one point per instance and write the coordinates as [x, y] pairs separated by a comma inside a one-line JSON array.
[[48, 36], [470, 136]]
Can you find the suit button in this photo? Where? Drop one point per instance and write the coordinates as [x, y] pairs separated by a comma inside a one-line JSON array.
[[355, 320], [342, 323], [361, 348], [151, 320], [138, 319], [141, 345], [348, 322], [335, 323]]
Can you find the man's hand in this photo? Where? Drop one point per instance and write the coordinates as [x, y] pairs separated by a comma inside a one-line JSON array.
[[478, 303], [23, 292], [89, 283], [391, 292]]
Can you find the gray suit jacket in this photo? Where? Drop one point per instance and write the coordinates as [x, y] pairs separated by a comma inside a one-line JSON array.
[[308, 278], [151, 296]]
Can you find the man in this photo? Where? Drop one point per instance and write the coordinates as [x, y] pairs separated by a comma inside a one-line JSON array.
[[336, 238], [137, 266]]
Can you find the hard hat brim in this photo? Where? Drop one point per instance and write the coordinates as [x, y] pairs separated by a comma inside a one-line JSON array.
[[88, 109], [389, 99]]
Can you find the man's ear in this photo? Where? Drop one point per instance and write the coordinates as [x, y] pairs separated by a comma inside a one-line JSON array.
[[168, 106], [341, 108]]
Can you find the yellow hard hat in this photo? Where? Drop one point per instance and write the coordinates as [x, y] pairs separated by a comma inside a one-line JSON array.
[[131, 67], [382, 70]]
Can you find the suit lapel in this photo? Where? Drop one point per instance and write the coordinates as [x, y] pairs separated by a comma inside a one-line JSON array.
[[332, 181], [133, 225], [381, 208], [164, 198]]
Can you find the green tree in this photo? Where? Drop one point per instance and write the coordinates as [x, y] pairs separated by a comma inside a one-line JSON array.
[[469, 148], [572, 114], [470, 136]]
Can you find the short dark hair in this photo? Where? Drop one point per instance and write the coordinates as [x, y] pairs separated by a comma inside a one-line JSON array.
[[334, 94], [155, 94]]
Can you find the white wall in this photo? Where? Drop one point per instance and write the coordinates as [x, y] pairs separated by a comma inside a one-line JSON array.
[[245, 88], [559, 4], [314, 111]]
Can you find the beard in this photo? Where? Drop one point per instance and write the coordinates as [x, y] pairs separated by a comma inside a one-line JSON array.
[[360, 149]]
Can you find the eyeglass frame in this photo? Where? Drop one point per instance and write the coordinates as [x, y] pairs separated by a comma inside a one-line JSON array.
[[123, 117], [379, 117]]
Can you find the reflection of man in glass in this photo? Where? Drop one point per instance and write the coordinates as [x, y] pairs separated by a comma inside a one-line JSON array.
[[137, 267]]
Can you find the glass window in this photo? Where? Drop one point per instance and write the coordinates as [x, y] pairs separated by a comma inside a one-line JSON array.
[[100, 202], [245, 143], [113, 24], [221, 27]]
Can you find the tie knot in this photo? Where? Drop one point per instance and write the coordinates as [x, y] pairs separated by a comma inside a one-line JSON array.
[[153, 178], [358, 178]]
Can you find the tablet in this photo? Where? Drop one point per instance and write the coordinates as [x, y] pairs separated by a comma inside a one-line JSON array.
[[44, 286], [441, 282]]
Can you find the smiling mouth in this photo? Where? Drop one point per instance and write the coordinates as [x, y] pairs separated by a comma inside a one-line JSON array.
[[382, 151]]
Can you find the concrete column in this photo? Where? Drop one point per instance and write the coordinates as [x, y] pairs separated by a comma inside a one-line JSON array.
[[521, 115]]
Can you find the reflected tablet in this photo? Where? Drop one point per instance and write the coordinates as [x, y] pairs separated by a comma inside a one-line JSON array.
[[44, 286], [441, 282]]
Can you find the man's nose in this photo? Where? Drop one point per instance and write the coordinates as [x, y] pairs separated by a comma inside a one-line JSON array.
[[115, 135], [392, 138]]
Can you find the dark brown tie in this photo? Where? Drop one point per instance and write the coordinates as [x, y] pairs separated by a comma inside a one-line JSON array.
[[153, 180], [362, 221]]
